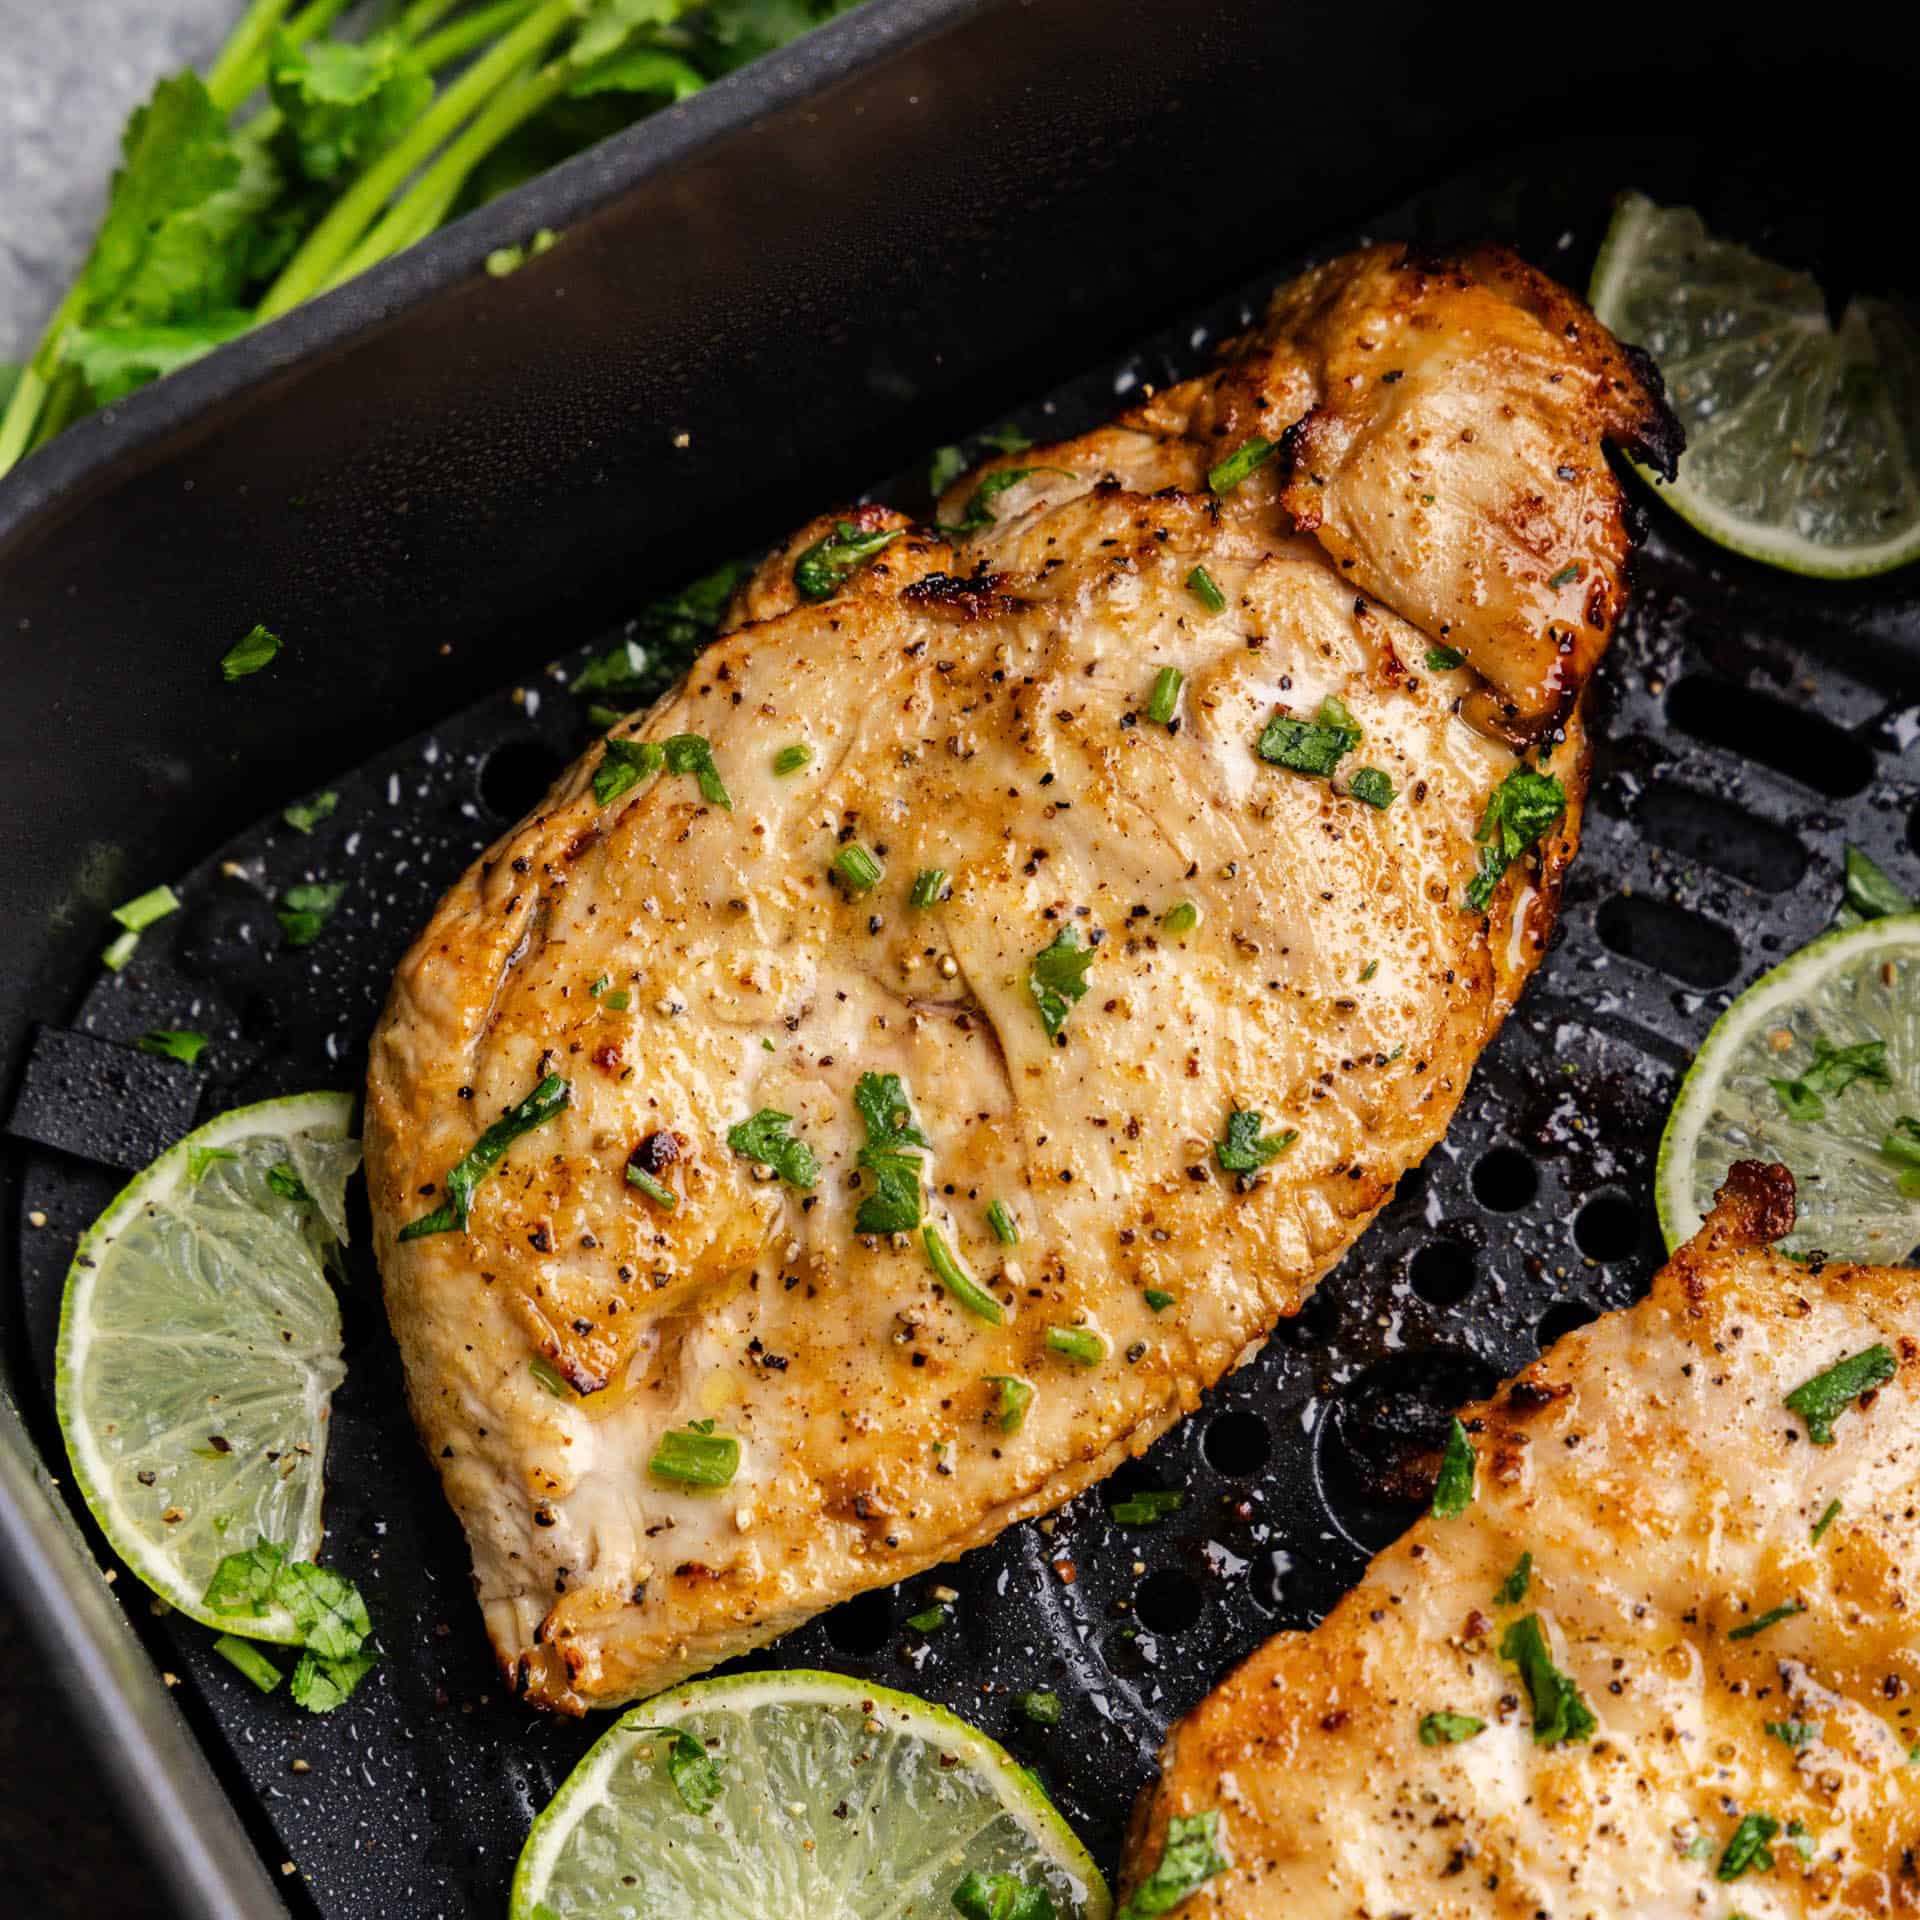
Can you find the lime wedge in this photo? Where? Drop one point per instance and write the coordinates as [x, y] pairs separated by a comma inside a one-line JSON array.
[[200, 1345], [1847, 990], [1803, 438], [833, 1799]]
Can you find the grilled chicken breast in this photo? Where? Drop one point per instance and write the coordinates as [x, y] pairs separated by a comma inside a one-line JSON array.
[[1702, 1698], [915, 863]]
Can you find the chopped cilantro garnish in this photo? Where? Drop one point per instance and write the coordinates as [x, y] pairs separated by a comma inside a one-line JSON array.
[[1201, 585], [1771, 1618], [1147, 1509], [694, 1772], [304, 910], [1453, 1490], [1901, 1145], [250, 654], [1520, 812], [486, 1153], [304, 815], [329, 1617], [1012, 1396], [1005, 1228], [979, 511], [1749, 1847], [929, 1619], [893, 1205], [1158, 1298], [1190, 1858], [119, 950], [656, 1189], [1244, 1149], [1246, 458], [1081, 1345], [1826, 1520], [1513, 1589], [696, 1459], [826, 566], [1164, 701], [144, 909], [858, 869], [1057, 978], [547, 1375], [250, 1660], [1559, 1713], [1797, 1734], [1372, 786], [764, 1139], [929, 887], [1834, 1070], [282, 1179], [1042, 1708], [1000, 1896], [1566, 576], [792, 759], [1444, 659], [1182, 917], [957, 1280], [174, 1043], [1821, 1400], [624, 763], [1314, 746], [1449, 1729]]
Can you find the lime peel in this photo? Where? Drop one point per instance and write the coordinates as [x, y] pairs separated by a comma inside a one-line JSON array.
[[837, 1798], [199, 1348]]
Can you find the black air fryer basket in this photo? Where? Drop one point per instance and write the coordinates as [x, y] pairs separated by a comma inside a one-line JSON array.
[[449, 491]]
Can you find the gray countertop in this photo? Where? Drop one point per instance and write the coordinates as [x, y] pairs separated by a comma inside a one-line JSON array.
[[69, 72]]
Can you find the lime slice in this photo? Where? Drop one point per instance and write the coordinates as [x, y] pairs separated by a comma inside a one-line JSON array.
[[200, 1344], [1845, 989], [837, 1800], [1803, 438]]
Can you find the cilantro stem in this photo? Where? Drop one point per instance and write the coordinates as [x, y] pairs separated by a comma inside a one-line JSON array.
[[424, 204], [321, 255], [469, 31], [17, 424], [227, 78]]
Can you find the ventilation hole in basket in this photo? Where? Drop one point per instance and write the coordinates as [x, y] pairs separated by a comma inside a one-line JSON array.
[[1237, 1443], [1681, 943], [1413, 1185], [1168, 1601], [863, 1624], [1442, 1273], [515, 774], [1379, 1449], [1505, 1180], [1793, 740], [1699, 827], [1608, 1227], [1267, 1581], [1561, 1319]]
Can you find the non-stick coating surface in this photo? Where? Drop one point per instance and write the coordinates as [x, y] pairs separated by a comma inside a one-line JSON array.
[[1748, 727]]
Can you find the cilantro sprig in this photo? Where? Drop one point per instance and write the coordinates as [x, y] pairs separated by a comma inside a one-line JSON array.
[[328, 1614]]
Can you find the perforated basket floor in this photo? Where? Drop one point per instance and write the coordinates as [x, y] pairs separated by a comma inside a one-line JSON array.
[[1737, 754]]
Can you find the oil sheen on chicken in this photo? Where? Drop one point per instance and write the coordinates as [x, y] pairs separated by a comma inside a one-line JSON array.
[[1428, 537], [1663, 1664]]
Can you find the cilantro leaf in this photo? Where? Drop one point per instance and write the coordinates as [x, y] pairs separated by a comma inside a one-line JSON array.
[[826, 566], [1190, 1858], [1244, 1149], [1559, 1713], [894, 1203], [1313, 746], [1449, 1729], [765, 1140], [327, 1609], [115, 360], [1834, 1070], [304, 815], [692, 1769], [1821, 1400], [342, 102], [1523, 809], [1057, 978], [249, 654], [1749, 1847], [486, 1153], [1871, 892], [304, 910], [320, 1684], [174, 1043], [1000, 1896], [1453, 1491], [243, 1583]]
